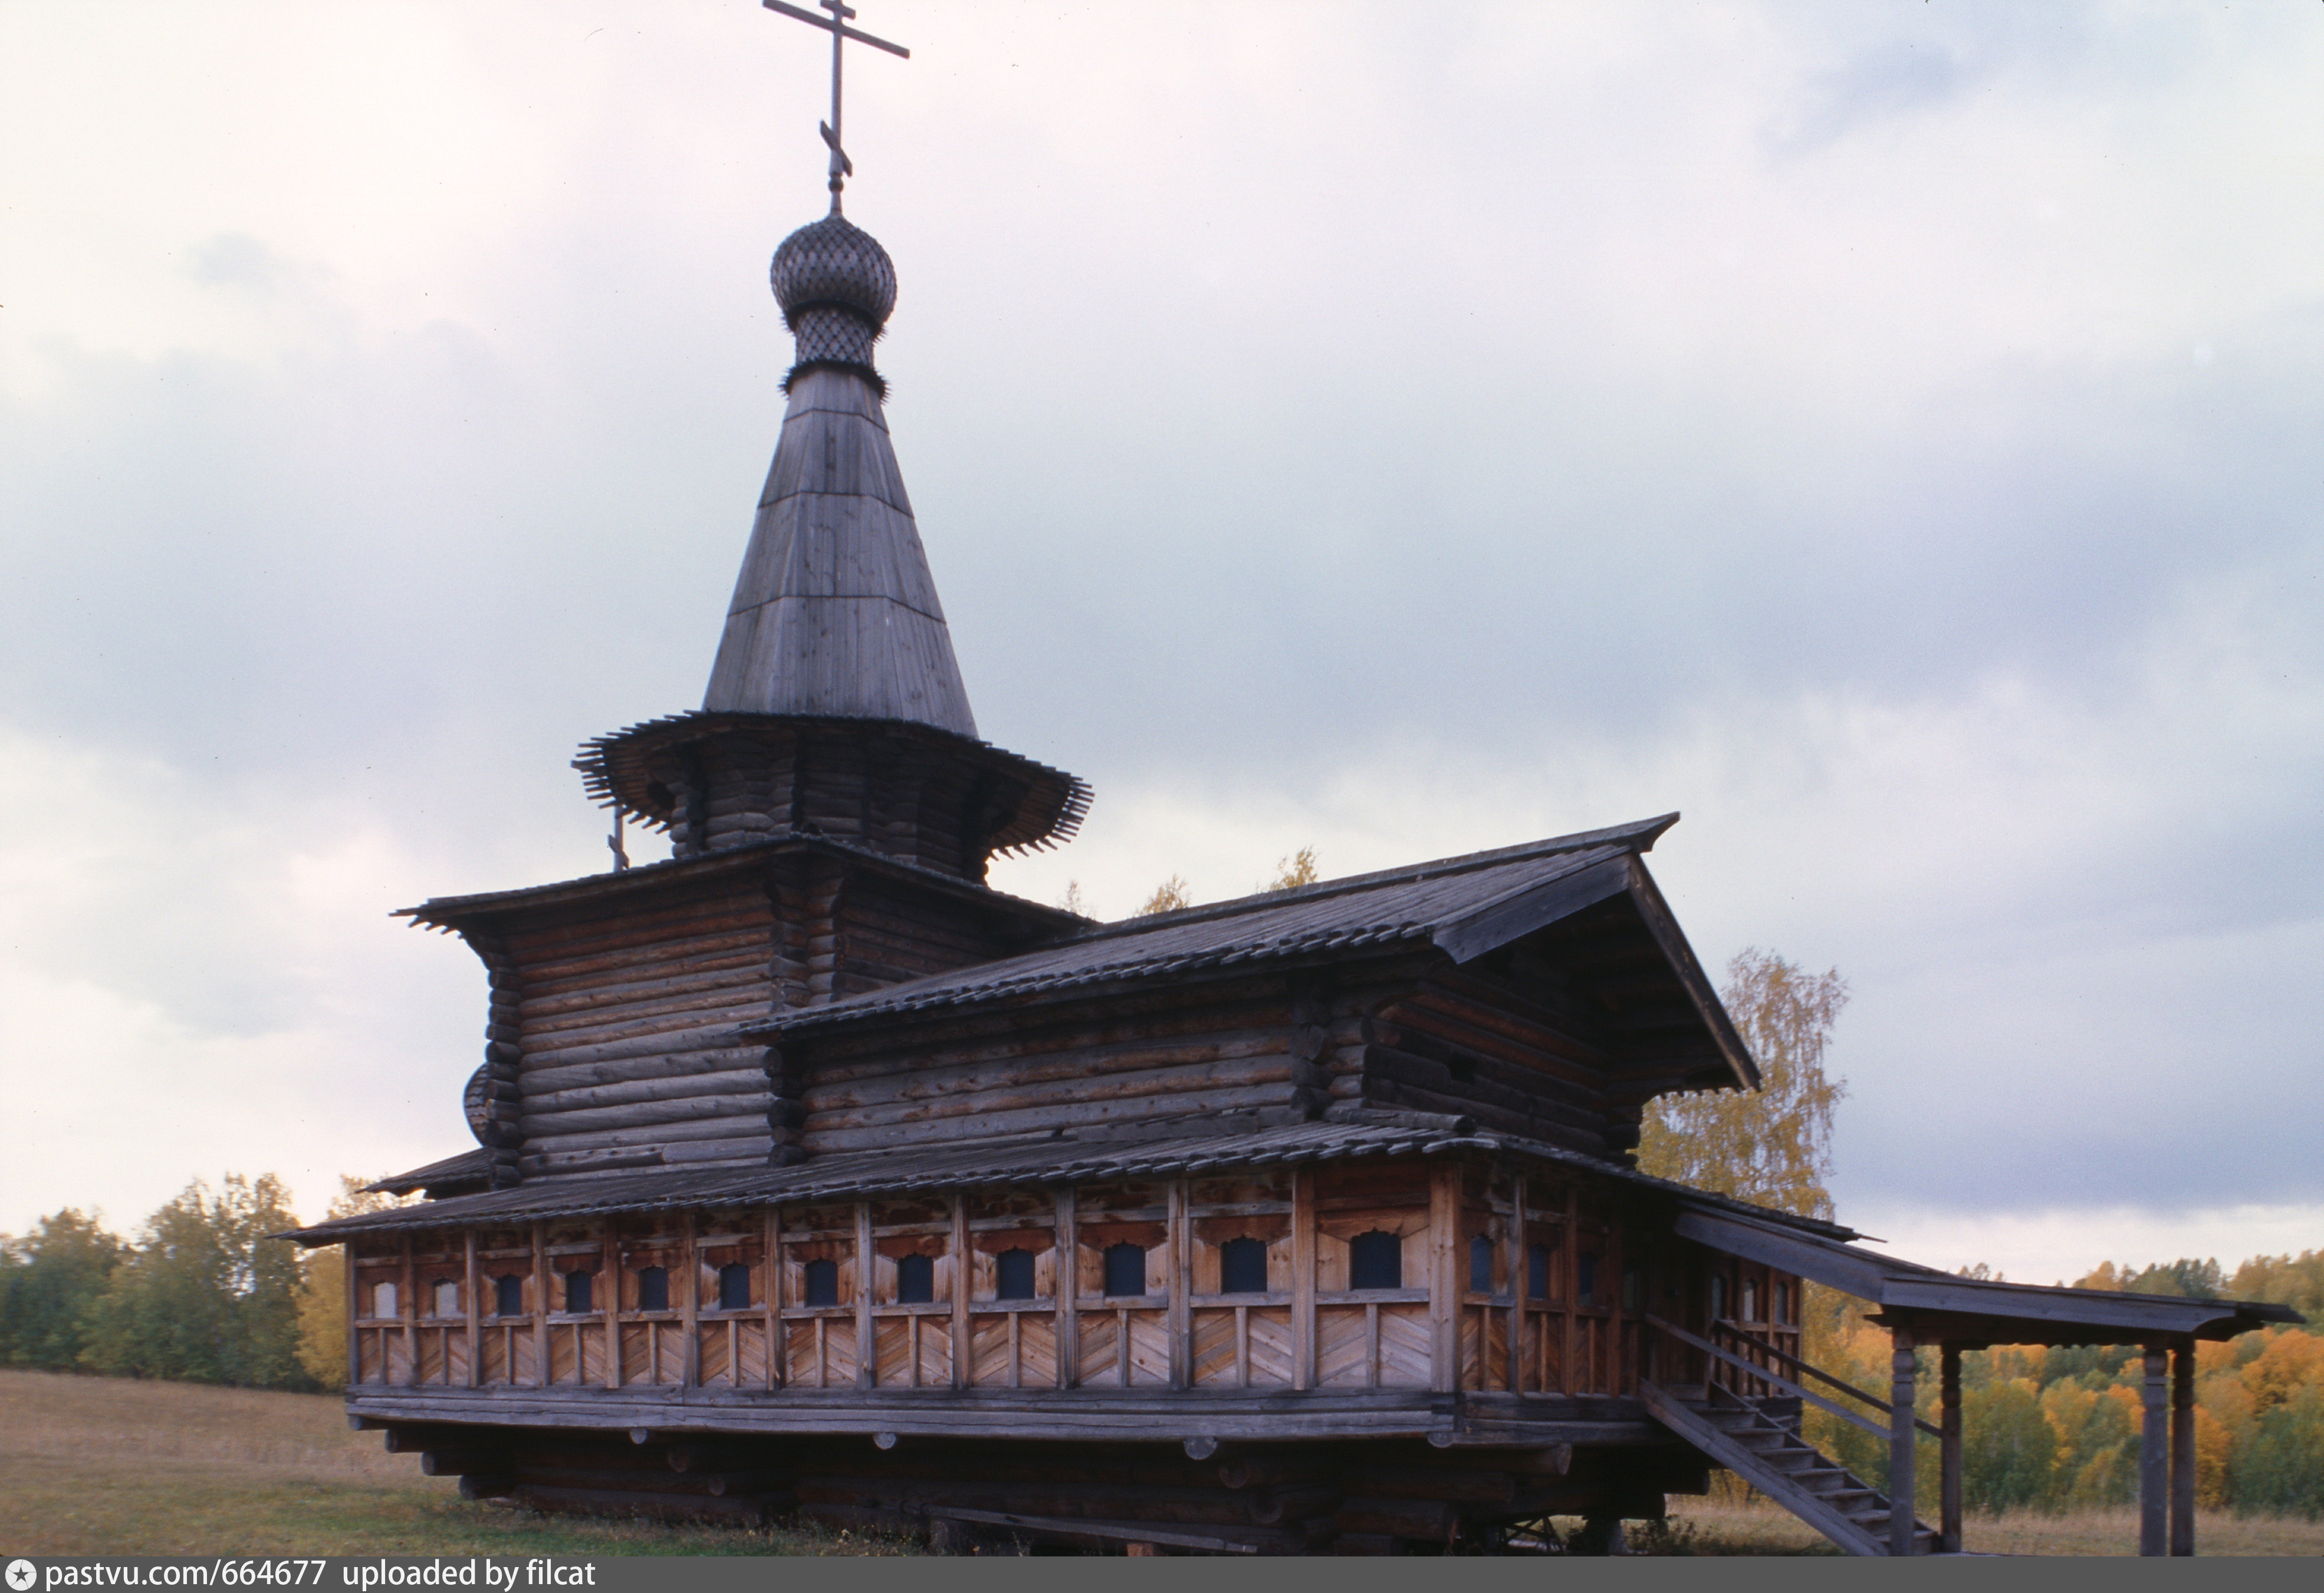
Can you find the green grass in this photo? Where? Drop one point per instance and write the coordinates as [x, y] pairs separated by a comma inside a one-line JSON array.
[[108, 1466]]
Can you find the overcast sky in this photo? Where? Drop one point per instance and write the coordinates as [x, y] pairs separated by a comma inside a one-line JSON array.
[[1887, 433]]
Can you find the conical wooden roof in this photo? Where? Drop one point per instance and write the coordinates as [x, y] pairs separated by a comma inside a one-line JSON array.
[[835, 613]]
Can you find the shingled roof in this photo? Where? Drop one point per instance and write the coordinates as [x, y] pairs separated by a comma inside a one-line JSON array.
[[1043, 1160], [1463, 906]]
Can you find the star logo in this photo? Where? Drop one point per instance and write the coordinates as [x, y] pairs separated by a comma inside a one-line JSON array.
[[21, 1575]]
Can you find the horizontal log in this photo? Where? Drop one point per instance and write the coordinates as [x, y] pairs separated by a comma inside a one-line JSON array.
[[643, 1114], [654, 1135], [1421, 1072], [1429, 1519], [747, 1150], [684, 1041], [1081, 1114], [677, 1031], [668, 1018], [1410, 1482], [631, 1069], [1096, 1018], [742, 947], [646, 997], [459, 1462], [748, 1080], [1274, 1069], [935, 1081]]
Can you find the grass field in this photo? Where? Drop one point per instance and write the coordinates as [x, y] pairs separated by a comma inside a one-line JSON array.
[[1704, 1526], [108, 1466]]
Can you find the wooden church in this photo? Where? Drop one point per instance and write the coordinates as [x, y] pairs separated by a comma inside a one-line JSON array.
[[816, 1176]]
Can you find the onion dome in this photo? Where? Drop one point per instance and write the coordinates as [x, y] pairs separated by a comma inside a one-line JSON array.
[[837, 287]]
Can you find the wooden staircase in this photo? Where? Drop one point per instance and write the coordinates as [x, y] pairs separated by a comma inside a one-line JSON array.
[[1735, 1433]]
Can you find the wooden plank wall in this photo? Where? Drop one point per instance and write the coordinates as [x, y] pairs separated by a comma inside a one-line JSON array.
[[1509, 1283], [1457, 1045], [1223, 1049], [629, 1054]]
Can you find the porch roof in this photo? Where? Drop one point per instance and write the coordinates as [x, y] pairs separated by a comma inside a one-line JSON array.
[[1934, 1304]]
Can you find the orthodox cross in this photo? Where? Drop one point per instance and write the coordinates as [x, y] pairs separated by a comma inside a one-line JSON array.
[[836, 24]]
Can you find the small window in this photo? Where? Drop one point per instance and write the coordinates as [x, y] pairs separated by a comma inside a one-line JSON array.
[[1012, 1275], [1537, 1272], [653, 1288], [382, 1300], [1242, 1267], [1634, 1287], [508, 1295], [1718, 1298], [915, 1280], [1586, 1280], [443, 1297], [735, 1287], [577, 1292], [1125, 1269], [1376, 1261], [1784, 1304], [1480, 1265], [1750, 1300], [823, 1282]]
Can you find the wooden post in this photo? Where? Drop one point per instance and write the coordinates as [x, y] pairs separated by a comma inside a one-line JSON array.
[[540, 1306], [612, 1308], [1948, 1462], [1182, 1273], [1519, 1275], [1303, 1279], [778, 1344], [1569, 1269], [468, 1297], [866, 1346], [1901, 1375], [690, 1363], [1613, 1274], [407, 1305], [963, 1274], [1069, 1289], [355, 1335], [2155, 1456], [1444, 1276], [2182, 1448]]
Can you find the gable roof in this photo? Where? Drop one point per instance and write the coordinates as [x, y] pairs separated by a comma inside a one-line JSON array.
[[1463, 905]]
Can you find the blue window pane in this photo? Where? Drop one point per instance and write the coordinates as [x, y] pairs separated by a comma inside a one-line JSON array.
[[734, 1286], [1376, 1261], [915, 1280], [1242, 1267], [1012, 1274], [1585, 1282], [1480, 1265], [508, 1295], [1537, 1272], [653, 1288], [823, 1282], [577, 1292], [1125, 1269]]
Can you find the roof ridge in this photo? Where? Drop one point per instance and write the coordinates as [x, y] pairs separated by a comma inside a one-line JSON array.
[[1646, 832]]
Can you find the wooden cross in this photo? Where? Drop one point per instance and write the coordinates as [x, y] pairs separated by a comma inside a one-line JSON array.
[[836, 24]]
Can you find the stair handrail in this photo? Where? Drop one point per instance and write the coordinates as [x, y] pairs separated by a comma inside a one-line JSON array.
[[1878, 1430], [1882, 1405]]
